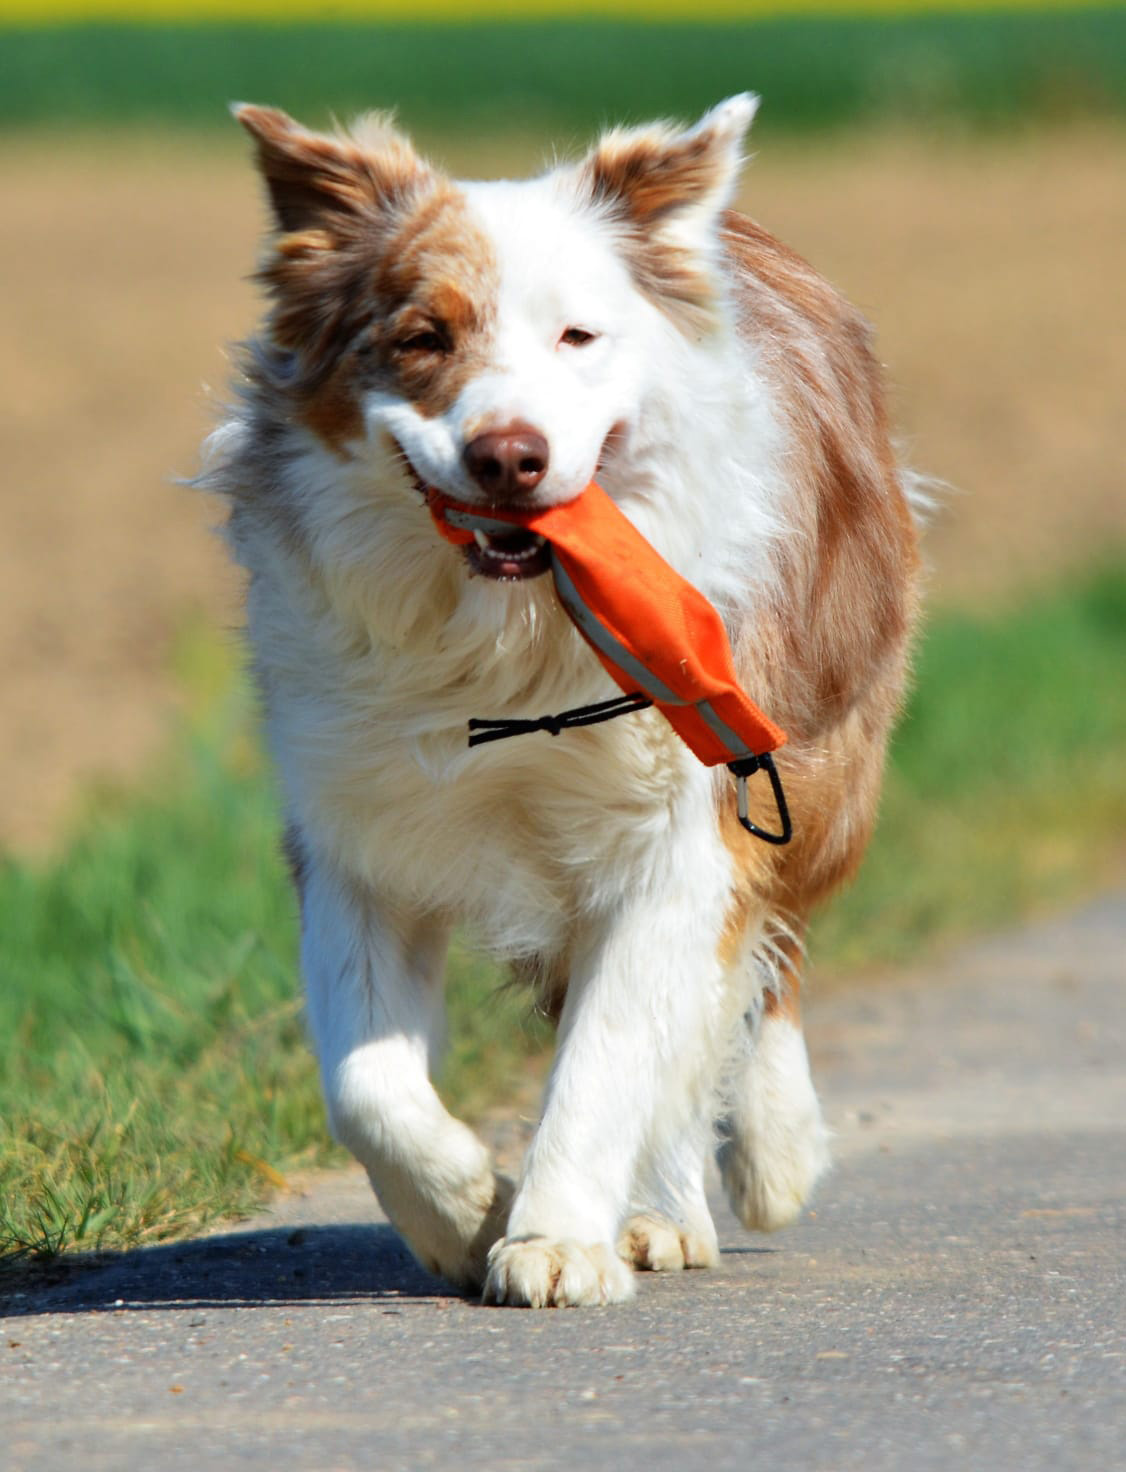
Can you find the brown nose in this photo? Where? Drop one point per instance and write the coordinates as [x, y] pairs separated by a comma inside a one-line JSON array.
[[509, 462]]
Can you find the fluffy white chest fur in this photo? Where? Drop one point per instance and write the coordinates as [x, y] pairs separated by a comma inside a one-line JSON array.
[[503, 343]]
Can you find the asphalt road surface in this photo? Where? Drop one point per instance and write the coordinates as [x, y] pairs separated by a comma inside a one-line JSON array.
[[957, 1299]]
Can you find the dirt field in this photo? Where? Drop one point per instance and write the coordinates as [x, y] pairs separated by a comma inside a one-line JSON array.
[[993, 272]]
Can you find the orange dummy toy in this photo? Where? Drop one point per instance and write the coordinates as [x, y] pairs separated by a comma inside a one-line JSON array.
[[658, 637]]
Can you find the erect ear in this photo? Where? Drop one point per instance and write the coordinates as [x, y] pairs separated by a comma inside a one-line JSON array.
[[671, 181], [316, 179]]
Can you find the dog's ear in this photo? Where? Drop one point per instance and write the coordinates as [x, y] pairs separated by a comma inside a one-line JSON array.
[[336, 200], [318, 180], [670, 182]]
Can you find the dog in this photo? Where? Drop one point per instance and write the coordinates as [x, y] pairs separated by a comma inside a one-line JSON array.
[[503, 343]]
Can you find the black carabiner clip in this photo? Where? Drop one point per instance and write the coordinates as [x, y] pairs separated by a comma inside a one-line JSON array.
[[746, 767]]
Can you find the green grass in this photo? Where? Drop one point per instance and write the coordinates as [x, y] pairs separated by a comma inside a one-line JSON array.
[[153, 1069], [546, 77]]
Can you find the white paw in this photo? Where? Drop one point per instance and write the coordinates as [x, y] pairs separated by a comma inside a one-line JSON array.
[[452, 1239], [776, 1145], [538, 1272], [654, 1243]]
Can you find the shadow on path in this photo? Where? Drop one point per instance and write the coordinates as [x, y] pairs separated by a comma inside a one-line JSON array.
[[268, 1268], [249, 1269]]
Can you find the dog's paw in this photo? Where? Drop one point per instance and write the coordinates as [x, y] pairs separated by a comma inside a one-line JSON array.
[[538, 1272], [454, 1243], [654, 1243], [767, 1190], [776, 1144]]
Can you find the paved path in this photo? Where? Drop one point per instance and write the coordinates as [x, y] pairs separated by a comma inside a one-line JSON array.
[[957, 1300]]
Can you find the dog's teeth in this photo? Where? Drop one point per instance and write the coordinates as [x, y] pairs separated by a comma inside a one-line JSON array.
[[507, 554]]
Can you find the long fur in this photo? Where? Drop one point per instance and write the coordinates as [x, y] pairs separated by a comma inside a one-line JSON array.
[[729, 400]]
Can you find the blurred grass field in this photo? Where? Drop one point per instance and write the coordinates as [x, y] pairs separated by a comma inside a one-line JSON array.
[[272, 12], [966, 68], [153, 1069]]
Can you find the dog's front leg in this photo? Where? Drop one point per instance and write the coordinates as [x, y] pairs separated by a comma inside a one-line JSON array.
[[375, 995], [640, 1042]]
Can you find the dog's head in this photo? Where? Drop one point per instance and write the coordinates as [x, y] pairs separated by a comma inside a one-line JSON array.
[[498, 341]]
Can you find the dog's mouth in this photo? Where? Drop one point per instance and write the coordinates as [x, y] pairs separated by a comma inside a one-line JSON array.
[[504, 556], [509, 555]]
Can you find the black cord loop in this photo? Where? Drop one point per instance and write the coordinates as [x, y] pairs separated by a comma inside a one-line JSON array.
[[582, 715]]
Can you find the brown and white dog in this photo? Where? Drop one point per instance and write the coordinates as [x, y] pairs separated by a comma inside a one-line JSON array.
[[503, 342]]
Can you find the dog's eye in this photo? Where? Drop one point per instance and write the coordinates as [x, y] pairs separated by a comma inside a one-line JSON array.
[[427, 341], [577, 337]]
